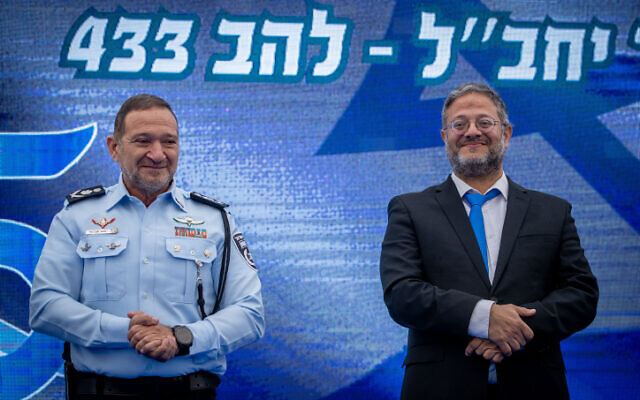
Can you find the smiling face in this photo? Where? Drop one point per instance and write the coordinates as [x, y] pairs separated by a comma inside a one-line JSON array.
[[147, 152], [475, 153]]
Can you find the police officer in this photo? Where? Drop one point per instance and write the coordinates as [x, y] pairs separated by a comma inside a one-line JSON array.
[[129, 275]]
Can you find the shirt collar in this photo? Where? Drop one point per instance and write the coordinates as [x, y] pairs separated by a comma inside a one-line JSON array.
[[502, 184], [119, 191], [178, 195], [116, 193]]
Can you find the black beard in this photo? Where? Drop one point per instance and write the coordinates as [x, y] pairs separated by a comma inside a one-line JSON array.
[[477, 167]]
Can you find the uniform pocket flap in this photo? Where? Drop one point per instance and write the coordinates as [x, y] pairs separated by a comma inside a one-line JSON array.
[[101, 246], [192, 248], [424, 354]]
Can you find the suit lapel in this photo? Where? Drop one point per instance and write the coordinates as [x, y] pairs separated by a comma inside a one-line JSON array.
[[517, 205], [449, 199]]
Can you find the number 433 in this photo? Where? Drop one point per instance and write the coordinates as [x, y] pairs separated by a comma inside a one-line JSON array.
[[131, 46]]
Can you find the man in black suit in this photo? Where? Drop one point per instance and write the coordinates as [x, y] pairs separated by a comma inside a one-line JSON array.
[[486, 306]]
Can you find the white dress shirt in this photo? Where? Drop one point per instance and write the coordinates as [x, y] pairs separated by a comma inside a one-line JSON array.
[[493, 213]]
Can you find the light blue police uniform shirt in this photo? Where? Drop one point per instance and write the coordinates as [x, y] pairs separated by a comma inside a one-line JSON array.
[[84, 283]]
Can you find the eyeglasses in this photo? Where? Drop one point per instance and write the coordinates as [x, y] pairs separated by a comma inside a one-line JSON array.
[[461, 126]]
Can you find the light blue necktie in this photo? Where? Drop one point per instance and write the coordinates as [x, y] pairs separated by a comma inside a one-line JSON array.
[[476, 200]]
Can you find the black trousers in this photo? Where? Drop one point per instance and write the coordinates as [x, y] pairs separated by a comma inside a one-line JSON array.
[[493, 392]]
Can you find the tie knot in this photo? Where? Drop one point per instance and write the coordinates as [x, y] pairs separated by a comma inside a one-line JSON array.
[[477, 199]]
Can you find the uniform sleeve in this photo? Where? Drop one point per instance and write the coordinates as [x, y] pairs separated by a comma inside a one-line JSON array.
[[240, 320], [54, 308], [413, 301]]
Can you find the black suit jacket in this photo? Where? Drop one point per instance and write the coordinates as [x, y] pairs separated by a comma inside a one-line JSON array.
[[433, 275]]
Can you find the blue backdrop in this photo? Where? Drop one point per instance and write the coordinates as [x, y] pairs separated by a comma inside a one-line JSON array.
[[307, 117]]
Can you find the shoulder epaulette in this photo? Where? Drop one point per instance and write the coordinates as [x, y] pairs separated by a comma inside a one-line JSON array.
[[200, 198], [84, 194]]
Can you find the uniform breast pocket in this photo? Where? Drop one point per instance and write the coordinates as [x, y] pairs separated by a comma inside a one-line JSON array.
[[182, 274], [104, 274]]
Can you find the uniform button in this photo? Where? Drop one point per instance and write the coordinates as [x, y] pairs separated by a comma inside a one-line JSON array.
[[146, 260], [192, 252], [145, 295], [99, 249]]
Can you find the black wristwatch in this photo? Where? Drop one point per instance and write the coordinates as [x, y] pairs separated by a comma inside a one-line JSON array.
[[184, 338]]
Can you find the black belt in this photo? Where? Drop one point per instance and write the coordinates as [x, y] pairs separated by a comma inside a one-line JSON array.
[[87, 383]]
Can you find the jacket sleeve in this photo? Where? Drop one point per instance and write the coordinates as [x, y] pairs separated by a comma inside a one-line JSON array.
[[54, 308], [413, 301], [571, 305]]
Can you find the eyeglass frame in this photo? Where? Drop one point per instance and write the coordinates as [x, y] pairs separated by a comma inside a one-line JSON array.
[[475, 122]]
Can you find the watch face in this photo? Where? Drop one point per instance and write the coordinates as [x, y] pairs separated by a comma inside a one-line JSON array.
[[183, 335]]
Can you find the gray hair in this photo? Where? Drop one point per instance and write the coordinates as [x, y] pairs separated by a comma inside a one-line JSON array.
[[474, 87]]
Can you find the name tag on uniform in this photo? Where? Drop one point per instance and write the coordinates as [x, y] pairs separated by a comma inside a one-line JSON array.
[[101, 231]]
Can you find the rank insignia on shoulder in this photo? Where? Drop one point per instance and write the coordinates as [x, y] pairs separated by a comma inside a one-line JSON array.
[[200, 198], [83, 194]]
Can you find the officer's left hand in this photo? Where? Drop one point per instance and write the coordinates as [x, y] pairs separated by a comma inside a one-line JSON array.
[[155, 341], [160, 346], [167, 349]]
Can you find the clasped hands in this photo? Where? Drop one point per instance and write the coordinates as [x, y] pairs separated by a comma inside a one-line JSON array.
[[150, 338], [507, 333]]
